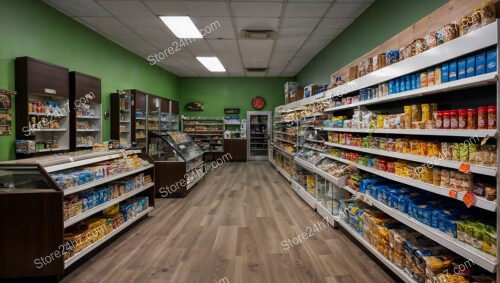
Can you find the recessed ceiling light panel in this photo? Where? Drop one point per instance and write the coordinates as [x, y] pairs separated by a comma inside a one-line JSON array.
[[212, 64], [181, 26]]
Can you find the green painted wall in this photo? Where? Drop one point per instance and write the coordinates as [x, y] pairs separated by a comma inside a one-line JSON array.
[[381, 21], [220, 93], [31, 28]]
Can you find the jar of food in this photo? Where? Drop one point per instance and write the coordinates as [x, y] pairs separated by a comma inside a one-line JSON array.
[[488, 13], [453, 119], [472, 119], [423, 79], [492, 117], [462, 119], [439, 120], [450, 32], [416, 113], [482, 117], [446, 119]]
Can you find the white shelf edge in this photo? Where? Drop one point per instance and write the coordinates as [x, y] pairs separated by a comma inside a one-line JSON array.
[[420, 132], [282, 151], [284, 173], [339, 182], [398, 271], [88, 130], [484, 170], [49, 130], [105, 205], [479, 80], [479, 202], [104, 239], [480, 258], [105, 180], [55, 168]]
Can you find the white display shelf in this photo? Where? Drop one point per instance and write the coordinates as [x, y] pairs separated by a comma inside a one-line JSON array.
[[84, 145], [98, 158], [479, 202], [101, 241], [302, 192], [283, 140], [283, 133], [284, 152], [398, 271], [306, 164], [325, 213], [339, 182], [53, 149], [469, 43], [49, 130], [480, 258], [55, 115], [105, 180], [483, 170], [312, 148], [316, 141], [88, 130], [105, 205], [479, 80], [417, 132], [93, 117], [312, 115], [284, 173]]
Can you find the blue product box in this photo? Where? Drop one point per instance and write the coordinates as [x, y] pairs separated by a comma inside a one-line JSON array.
[[396, 86], [408, 82], [462, 67], [491, 60], [480, 63], [413, 81], [471, 66], [452, 69], [391, 86], [445, 73], [402, 84], [417, 81]]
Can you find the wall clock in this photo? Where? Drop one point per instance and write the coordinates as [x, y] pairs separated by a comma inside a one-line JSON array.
[[258, 103]]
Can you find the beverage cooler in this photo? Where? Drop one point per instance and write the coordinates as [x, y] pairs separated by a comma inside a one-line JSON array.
[[258, 132]]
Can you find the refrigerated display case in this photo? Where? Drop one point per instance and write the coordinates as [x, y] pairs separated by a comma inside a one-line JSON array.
[[259, 129], [53, 201], [121, 118], [177, 154]]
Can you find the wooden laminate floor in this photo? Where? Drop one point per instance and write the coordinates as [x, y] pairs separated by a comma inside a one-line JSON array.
[[230, 228]]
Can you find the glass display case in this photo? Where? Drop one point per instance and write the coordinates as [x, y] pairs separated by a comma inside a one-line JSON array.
[[178, 154], [55, 200], [259, 130]]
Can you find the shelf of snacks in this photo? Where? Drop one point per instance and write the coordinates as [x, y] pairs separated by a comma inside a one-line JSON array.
[[484, 157], [444, 188], [416, 132], [121, 118], [104, 235], [81, 213], [449, 237], [200, 127]]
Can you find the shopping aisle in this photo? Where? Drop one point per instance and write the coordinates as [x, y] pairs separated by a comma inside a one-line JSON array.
[[231, 226]]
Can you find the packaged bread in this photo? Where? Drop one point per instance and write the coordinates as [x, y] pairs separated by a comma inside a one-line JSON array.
[[450, 32], [488, 13]]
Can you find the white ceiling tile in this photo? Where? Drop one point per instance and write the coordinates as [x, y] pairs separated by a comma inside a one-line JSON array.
[[299, 22], [223, 45], [215, 27], [80, 8], [256, 23], [315, 1], [336, 23], [256, 74], [256, 9], [348, 9], [207, 8], [326, 32], [301, 31], [126, 8], [199, 47], [306, 10], [166, 8]]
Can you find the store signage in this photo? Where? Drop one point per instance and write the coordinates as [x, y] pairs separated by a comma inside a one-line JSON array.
[[194, 106], [50, 91], [231, 110]]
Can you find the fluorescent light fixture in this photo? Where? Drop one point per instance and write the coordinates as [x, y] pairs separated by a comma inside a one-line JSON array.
[[182, 27], [212, 64]]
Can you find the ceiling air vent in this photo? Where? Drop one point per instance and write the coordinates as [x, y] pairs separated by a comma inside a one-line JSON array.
[[256, 69], [257, 34]]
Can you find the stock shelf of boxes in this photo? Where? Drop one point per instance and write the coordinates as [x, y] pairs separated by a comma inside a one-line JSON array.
[[405, 159], [89, 197]]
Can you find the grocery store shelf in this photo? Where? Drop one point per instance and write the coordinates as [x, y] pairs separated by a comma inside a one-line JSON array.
[[105, 180], [110, 235], [49, 130], [283, 133], [312, 115], [283, 140], [398, 271], [479, 202], [417, 132], [284, 173], [305, 164], [285, 152], [317, 141], [94, 117], [484, 170], [99, 157], [88, 130], [474, 41], [339, 182], [55, 115], [475, 81], [105, 205], [52, 149], [312, 148], [302, 192], [325, 213], [480, 258]]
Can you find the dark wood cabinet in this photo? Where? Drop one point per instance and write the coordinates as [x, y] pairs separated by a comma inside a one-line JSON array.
[[237, 148], [85, 93], [165, 105], [175, 107]]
